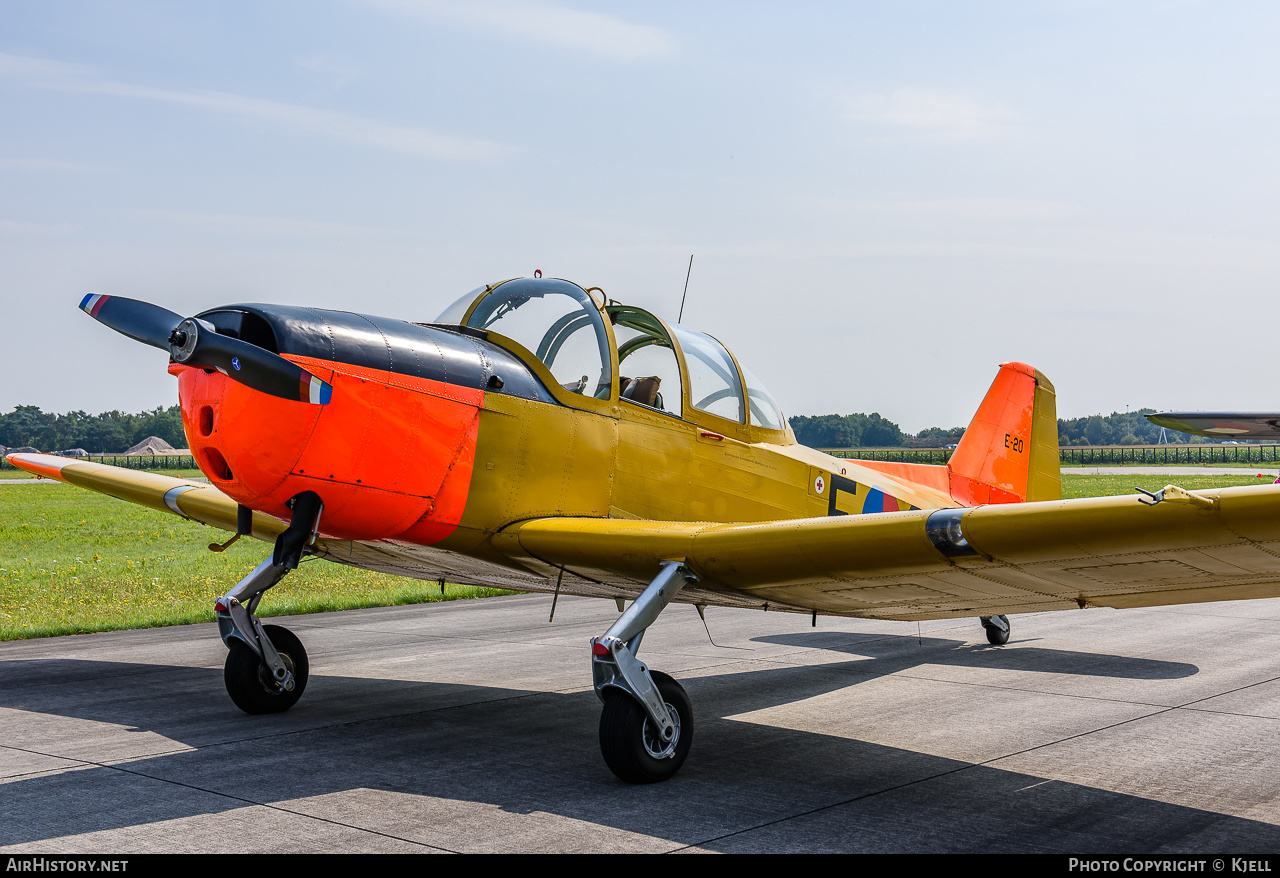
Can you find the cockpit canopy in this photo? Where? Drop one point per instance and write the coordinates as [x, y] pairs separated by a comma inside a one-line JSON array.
[[557, 321], [583, 341]]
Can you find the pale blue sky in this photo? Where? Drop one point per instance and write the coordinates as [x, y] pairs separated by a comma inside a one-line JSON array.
[[884, 200]]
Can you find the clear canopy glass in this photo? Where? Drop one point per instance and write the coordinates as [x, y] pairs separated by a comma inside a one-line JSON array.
[[763, 409], [559, 323], [648, 371], [713, 378], [453, 315]]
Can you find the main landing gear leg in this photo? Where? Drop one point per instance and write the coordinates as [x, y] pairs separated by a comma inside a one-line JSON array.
[[647, 724], [266, 668], [997, 628]]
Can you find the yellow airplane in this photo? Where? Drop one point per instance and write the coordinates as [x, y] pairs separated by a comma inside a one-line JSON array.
[[541, 437]]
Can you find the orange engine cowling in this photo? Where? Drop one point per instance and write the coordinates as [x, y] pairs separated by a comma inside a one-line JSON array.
[[390, 455]]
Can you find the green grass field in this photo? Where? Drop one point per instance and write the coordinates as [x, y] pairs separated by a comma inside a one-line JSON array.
[[1109, 486], [1263, 467], [72, 561]]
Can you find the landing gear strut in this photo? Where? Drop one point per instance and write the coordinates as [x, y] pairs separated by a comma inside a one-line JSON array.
[[646, 728], [266, 668], [997, 628]]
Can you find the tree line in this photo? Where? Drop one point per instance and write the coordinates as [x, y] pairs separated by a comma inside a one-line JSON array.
[[866, 431], [107, 433], [873, 431], [1120, 428]]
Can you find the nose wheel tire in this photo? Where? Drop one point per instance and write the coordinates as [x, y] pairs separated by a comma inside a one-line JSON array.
[[249, 680], [630, 742]]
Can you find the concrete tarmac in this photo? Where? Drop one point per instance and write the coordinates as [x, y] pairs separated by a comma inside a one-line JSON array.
[[471, 726]]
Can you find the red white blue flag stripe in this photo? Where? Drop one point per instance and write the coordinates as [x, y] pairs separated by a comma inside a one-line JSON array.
[[92, 303], [314, 390]]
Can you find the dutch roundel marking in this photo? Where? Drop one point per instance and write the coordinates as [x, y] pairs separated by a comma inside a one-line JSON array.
[[819, 485]]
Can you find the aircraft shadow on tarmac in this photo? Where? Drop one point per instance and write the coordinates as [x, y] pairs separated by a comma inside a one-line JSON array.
[[431, 750], [897, 652], [189, 705]]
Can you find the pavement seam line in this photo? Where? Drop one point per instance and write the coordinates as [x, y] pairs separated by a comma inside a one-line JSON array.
[[1185, 706], [242, 799]]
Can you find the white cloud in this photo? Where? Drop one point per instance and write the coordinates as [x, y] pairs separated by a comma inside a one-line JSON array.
[[11, 227], [340, 126], [254, 225], [546, 23], [993, 209], [40, 165], [39, 68], [940, 114]]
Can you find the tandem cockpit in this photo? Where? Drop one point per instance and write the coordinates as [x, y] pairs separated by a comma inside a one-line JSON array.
[[597, 352]]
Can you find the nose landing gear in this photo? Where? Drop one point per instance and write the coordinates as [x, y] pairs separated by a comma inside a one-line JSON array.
[[266, 668], [646, 727]]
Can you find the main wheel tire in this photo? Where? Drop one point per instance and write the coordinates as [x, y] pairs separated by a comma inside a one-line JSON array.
[[629, 741], [996, 635], [248, 678]]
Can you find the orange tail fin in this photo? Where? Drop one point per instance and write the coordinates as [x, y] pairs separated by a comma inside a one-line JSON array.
[[1010, 451]]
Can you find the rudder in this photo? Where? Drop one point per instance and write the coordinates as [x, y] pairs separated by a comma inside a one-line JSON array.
[[1010, 451]]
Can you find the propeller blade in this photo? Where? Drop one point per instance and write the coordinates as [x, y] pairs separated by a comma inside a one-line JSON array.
[[196, 343], [141, 321]]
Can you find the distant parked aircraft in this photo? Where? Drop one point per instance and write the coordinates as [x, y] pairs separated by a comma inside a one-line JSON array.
[[1221, 425]]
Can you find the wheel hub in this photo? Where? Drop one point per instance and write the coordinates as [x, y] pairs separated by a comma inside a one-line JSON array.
[[652, 737], [269, 683]]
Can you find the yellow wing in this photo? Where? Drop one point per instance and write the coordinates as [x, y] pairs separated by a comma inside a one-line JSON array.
[[194, 500], [1009, 558], [1213, 545], [201, 502]]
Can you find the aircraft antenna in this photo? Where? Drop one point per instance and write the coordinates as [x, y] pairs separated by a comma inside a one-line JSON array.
[[702, 614], [686, 289], [556, 596]]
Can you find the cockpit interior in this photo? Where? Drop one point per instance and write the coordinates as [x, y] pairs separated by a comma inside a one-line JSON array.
[[580, 337]]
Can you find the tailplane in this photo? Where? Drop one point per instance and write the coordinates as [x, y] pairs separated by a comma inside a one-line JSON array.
[[1010, 451]]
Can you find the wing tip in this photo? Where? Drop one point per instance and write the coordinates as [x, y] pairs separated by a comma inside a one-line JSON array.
[[48, 466]]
